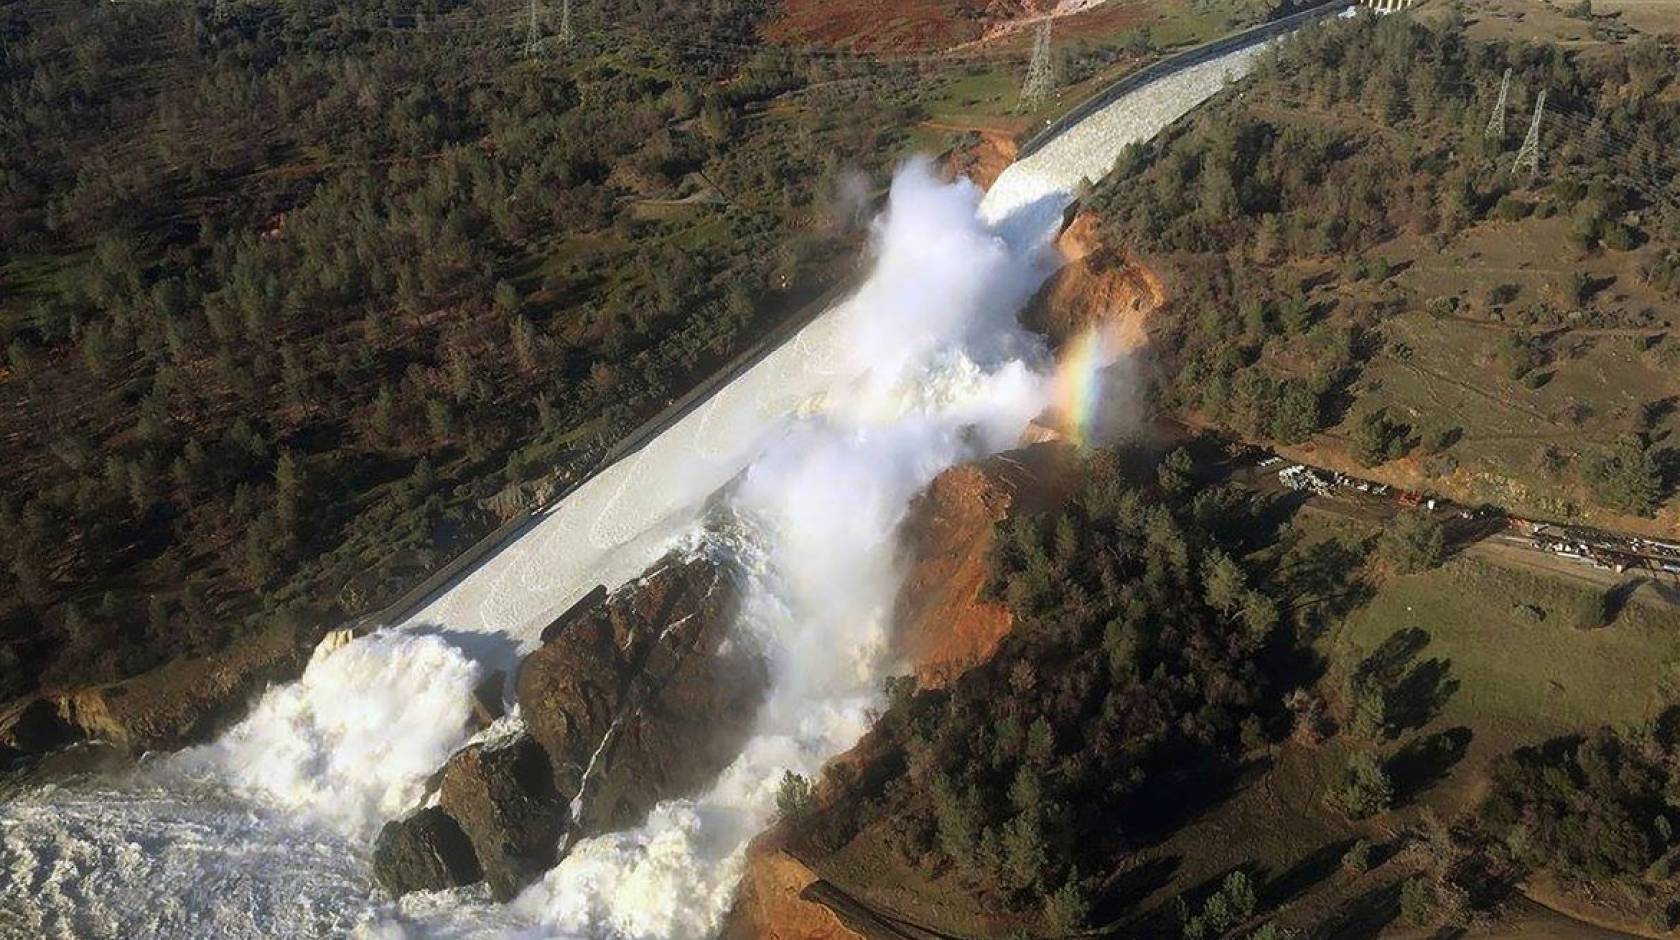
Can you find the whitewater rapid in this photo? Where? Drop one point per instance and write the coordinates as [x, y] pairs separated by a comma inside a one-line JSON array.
[[265, 832]]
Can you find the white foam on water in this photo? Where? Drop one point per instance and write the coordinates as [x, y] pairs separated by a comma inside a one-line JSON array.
[[351, 743]]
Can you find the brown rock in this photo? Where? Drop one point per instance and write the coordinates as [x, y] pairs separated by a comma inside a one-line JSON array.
[[502, 795], [643, 688], [425, 851], [486, 702]]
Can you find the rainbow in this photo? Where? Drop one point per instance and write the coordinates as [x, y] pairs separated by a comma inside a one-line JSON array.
[[1078, 385]]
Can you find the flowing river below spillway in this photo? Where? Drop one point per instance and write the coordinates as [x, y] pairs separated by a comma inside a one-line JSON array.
[[266, 831]]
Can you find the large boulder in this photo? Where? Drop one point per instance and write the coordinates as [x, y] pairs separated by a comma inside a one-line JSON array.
[[502, 795], [426, 851], [643, 694]]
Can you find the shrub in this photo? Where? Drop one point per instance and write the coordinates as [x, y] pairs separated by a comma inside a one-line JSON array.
[[1511, 209], [1419, 903], [793, 796], [1357, 858], [1365, 788], [1412, 541]]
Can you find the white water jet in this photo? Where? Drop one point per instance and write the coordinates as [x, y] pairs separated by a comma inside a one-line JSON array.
[[351, 743]]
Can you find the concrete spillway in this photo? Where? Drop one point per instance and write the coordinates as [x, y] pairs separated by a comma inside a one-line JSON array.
[[610, 528], [265, 832]]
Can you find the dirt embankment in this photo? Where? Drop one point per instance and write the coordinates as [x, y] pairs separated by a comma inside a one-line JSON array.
[[982, 156], [1097, 288], [944, 622], [771, 903]]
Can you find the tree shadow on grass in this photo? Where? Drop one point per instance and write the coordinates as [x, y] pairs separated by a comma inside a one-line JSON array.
[[1307, 872], [1127, 889], [1424, 762], [1323, 581], [1420, 695], [1364, 917]]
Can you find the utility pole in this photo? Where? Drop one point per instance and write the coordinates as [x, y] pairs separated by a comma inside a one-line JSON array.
[[1496, 123], [1040, 71], [1529, 155]]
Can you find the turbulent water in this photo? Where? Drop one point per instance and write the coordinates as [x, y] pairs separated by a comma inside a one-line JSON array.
[[265, 832]]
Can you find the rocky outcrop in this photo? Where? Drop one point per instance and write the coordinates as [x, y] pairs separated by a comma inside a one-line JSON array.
[[425, 852], [169, 707], [503, 798], [641, 698], [633, 700]]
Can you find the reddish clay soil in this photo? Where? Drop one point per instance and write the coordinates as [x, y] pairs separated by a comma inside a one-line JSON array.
[[1096, 288], [892, 25], [984, 160]]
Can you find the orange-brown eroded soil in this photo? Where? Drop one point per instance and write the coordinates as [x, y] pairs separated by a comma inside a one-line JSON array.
[[944, 624]]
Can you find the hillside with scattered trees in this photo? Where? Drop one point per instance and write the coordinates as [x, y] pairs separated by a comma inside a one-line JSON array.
[[298, 300], [1357, 263]]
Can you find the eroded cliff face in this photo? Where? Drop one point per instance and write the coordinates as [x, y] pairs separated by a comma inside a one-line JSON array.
[[982, 157], [167, 708], [945, 622], [1097, 288], [772, 902], [637, 700]]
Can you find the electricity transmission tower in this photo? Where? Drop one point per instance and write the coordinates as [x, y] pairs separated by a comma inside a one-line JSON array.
[[1496, 123], [1529, 155], [1040, 72], [533, 36]]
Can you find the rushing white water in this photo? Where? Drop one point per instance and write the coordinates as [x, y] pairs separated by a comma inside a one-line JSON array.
[[264, 832]]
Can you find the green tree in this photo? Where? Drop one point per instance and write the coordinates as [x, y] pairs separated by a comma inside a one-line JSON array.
[[1412, 541], [1626, 478], [1068, 908], [1365, 788], [793, 797]]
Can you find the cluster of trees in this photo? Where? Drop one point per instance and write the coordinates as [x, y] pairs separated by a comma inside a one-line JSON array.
[[1132, 682], [1600, 807], [1247, 206], [288, 292]]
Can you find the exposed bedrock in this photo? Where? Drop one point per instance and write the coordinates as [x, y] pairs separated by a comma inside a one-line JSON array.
[[167, 708], [424, 852], [502, 795], [639, 699]]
